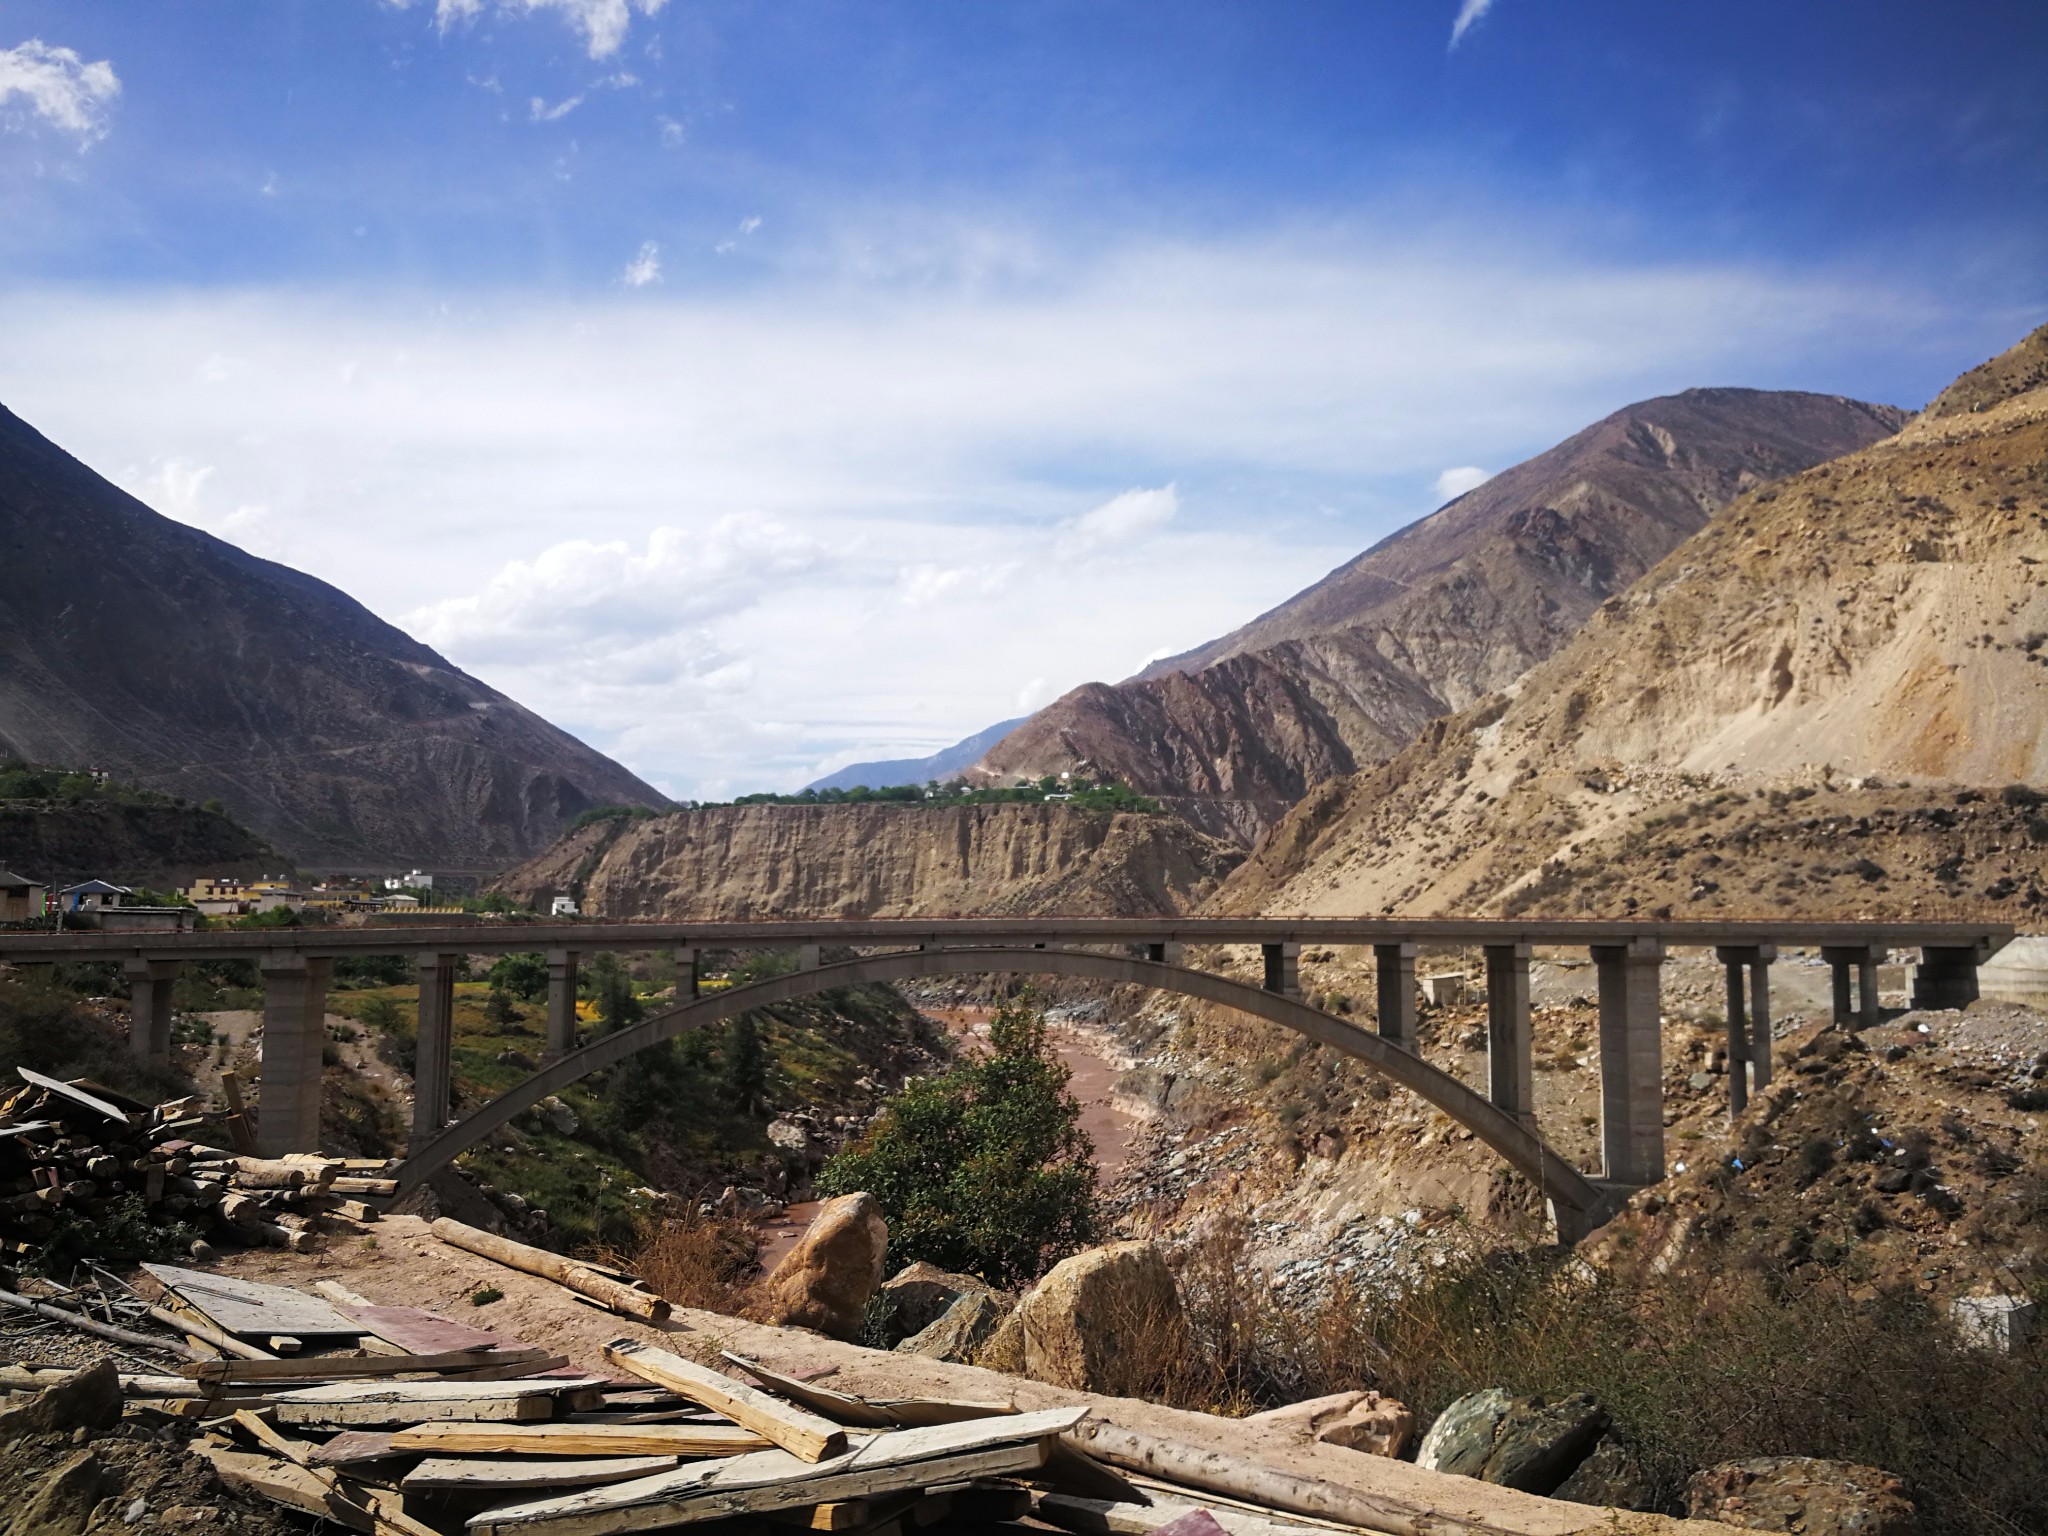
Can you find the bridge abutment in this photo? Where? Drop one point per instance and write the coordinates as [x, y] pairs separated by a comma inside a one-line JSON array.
[[1631, 1060], [1510, 1045], [149, 1009], [1946, 977], [1395, 985], [294, 1036]]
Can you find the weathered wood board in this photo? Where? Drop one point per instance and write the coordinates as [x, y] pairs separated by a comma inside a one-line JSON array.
[[572, 1439], [378, 1405], [893, 1462], [476, 1475], [420, 1332], [796, 1430], [248, 1307]]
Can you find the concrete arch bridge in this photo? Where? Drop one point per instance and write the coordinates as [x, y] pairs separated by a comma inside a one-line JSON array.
[[296, 966]]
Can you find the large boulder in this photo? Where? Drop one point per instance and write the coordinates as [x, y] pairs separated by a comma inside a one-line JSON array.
[[1530, 1443], [825, 1281], [1106, 1320], [1611, 1477], [1358, 1421], [959, 1333], [918, 1295], [1804, 1494], [87, 1399]]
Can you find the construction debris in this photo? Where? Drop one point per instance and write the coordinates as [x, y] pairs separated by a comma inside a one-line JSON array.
[[74, 1154], [612, 1288]]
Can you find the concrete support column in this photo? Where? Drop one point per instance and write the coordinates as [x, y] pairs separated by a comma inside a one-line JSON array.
[[1283, 969], [1510, 1045], [1631, 1060], [1396, 986], [562, 964], [687, 976], [294, 1035], [1861, 961], [807, 957], [1166, 954], [149, 1009], [1760, 1018], [1946, 978], [432, 1081], [1749, 1020]]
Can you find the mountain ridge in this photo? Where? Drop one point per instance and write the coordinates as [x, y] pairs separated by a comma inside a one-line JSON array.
[[140, 645]]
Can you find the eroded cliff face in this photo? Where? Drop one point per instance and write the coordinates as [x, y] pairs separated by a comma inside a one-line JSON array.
[[769, 861], [1835, 695]]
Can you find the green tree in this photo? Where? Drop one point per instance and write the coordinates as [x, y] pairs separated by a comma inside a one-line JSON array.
[[524, 976], [607, 983], [985, 1168], [499, 1008], [746, 1065]]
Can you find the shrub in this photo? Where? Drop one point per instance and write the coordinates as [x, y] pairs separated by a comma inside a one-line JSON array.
[[984, 1168], [700, 1261], [524, 976]]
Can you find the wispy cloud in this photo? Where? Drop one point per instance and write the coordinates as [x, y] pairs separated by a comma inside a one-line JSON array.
[[541, 112], [644, 268], [1470, 13], [56, 86], [1453, 483], [1118, 523], [602, 23]]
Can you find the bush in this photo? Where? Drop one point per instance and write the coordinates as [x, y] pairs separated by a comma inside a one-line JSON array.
[[524, 976], [983, 1169], [700, 1261]]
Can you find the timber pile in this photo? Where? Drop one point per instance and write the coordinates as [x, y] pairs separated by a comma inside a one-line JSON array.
[[77, 1151]]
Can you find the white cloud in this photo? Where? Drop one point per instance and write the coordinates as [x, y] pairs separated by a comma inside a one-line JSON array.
[[541, 112], [672, 132], [915, 417], [750, 224], [1470, 12], [1118, 523], [603, 23], [57, 86], [1033, 696], [644, 268], [1453, 483], [176, 487]]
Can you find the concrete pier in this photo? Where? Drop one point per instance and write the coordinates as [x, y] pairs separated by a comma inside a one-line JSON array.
[[1947, 977], [687, 976], [1749, 1020], [1631, 1060], [1396, 992], [1510, 1046], [807, 956], [433, 1082], [294, 1035], [1859, 963], [149, 1009], [562, 966], [1283, 969], [1166, 954]]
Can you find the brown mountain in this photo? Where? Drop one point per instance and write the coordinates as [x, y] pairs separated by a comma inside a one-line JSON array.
[[1835, 695], [1440, 614], [133, 643]]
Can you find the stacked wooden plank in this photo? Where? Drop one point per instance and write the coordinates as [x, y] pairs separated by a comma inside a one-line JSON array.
[[79, 1152]]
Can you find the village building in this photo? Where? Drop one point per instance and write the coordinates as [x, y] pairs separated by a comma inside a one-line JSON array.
[[22, 900]]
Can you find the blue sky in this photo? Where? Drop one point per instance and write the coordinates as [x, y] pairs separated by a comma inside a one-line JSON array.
[[752, 387]]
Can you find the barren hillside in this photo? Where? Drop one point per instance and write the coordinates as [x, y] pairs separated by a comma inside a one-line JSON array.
[[767, 861], [1843, 678], [1428, 621]]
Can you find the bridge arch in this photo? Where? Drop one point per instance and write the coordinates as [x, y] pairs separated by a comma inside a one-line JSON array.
[[1578, 1201]]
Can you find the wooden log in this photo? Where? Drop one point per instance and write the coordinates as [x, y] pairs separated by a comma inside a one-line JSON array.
[[1271, 1488], [1105, 1517], [471, 1475], [693, 1440], [347, 1184], [103, 1330], [580, 1278], [346, 1367], [797, 1430]]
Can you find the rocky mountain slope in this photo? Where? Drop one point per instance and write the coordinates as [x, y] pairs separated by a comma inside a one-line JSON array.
[[1840, 681], [161, 846], [136, 644], [1424, 623], [764, 861], [944, 765]]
